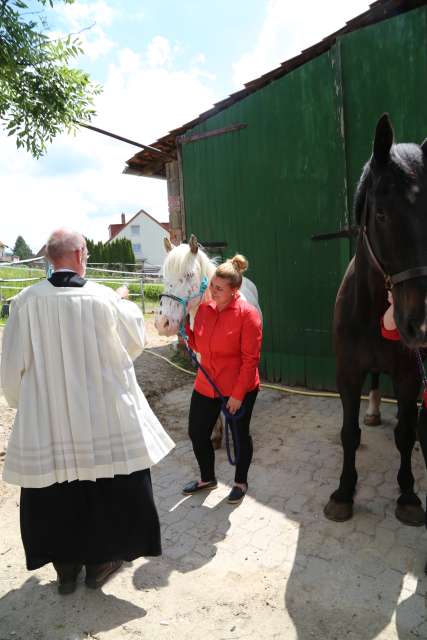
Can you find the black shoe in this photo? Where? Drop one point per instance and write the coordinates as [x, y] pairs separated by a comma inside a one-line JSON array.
[[67, 576], [194, 487], [98, 574], [236, 495]]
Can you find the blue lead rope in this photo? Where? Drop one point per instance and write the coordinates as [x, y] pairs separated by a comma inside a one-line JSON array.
[[230, 418]]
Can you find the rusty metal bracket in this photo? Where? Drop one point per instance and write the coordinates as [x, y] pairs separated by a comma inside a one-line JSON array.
[[345, 232]]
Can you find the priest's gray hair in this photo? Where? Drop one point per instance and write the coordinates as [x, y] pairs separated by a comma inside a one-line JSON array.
[[62, 242]]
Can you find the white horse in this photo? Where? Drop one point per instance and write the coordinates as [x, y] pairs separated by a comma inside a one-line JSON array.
[[184, 270]]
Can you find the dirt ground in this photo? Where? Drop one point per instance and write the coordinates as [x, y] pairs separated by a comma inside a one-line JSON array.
[[271, 568]]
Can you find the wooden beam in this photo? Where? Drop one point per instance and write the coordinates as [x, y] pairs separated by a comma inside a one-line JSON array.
[[210, 134], [122, 139]]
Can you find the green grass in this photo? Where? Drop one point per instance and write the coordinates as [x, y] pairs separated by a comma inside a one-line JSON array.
[[152, 291], [21, 272], [17, 272]]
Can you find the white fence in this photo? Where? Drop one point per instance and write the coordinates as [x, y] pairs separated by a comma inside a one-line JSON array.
[[11, 285]]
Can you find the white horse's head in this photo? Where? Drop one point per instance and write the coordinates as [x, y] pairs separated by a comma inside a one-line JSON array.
[[184, 268]]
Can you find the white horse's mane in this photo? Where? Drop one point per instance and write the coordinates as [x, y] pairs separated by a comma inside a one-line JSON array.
[[181, 259]]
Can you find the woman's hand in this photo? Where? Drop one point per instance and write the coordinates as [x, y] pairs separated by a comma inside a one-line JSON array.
[[233, 405], [388, 319]]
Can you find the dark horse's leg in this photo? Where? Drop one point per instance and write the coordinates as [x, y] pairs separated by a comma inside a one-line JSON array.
[[373, 415], [422, 435], [340, 505], [408, 508]]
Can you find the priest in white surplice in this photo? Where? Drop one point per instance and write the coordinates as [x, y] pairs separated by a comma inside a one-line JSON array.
[[84, 436]]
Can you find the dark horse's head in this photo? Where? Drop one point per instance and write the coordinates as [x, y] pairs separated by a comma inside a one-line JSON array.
[[391, 206]]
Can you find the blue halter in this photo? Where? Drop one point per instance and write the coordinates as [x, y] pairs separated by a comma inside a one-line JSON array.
[[184, 302]]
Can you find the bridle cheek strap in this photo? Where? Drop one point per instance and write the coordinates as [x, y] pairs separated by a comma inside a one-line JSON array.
[[389, 280], [184, 301]]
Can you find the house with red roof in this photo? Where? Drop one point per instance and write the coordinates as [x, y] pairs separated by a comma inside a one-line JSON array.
[[146, 235]]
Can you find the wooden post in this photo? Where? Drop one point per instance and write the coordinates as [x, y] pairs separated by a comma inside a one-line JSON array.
[[175, 202], [142, 295]]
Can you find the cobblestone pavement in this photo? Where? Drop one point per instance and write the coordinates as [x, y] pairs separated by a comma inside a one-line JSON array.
[[272, 567]]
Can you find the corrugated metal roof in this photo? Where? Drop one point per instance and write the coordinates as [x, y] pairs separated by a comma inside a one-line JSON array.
[[146, 163]]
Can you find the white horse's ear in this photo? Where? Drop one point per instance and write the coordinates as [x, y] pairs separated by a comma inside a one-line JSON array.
[[423, 146], [167, 245], [194, 246]]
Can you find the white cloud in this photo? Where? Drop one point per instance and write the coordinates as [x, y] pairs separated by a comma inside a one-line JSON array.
[[79, 14], [88, 22], [288, 28], [200, 58], [80, 183], [159, 52], [129, 61]]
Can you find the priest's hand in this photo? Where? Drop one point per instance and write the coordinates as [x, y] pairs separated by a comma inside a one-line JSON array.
[[123, 292]]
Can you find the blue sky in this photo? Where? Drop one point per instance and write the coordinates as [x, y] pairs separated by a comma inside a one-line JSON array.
[[161, 64]]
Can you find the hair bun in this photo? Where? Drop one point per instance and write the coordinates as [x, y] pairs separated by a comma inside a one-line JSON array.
[[240, 263]]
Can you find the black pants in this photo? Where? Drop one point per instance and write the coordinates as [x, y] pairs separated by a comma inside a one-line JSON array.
[[204, 413]]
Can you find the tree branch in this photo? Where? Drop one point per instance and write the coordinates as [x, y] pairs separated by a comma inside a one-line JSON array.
[[75, 33]]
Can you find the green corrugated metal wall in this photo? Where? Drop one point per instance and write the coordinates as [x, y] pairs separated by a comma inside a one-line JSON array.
[[267, 188]]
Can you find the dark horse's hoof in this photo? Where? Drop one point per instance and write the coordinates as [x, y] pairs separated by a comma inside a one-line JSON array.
[[411, 514], [372, 419], [338, 511]]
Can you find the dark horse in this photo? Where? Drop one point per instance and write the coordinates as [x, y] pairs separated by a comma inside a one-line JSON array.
[[391, 209]]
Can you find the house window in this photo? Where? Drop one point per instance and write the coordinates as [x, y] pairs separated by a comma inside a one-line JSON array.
[[136, 246], [134, 229]]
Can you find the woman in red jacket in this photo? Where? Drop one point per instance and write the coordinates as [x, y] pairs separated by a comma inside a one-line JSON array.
[[227, 334]]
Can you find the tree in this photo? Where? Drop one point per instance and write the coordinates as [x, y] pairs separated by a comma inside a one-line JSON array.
[[112, 253], [40, 94], [129, 256], [21, 249]]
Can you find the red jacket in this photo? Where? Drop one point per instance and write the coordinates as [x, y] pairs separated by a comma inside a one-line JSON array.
[[229, 342]]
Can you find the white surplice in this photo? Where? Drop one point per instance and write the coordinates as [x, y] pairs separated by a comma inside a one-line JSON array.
[[67, 367]]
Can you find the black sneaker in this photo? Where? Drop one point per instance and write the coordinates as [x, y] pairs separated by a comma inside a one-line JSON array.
[[194, 487], [236, 495]]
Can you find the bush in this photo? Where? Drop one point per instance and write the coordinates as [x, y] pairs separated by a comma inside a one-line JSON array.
[[153, 291]]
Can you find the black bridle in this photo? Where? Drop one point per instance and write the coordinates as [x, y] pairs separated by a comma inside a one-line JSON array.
[[389, 279]]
